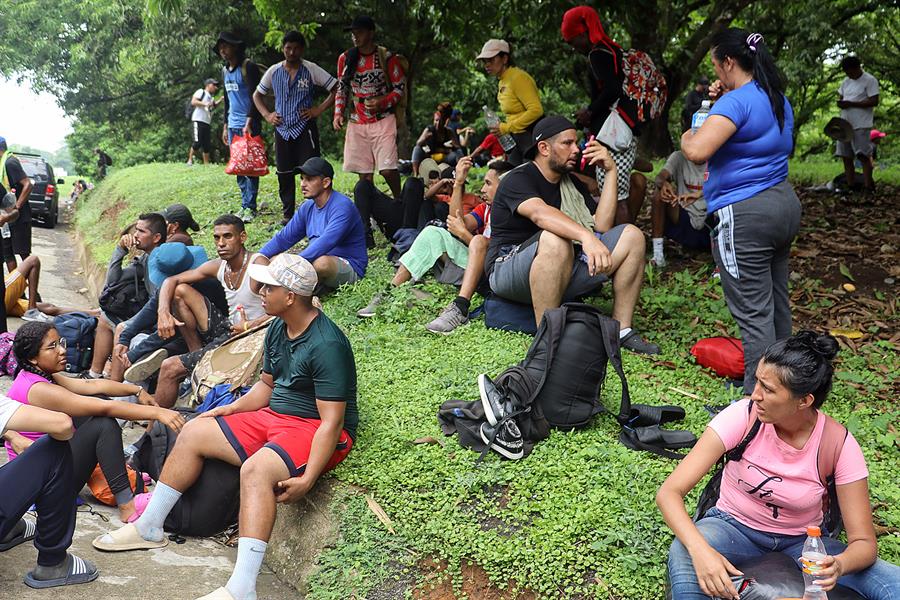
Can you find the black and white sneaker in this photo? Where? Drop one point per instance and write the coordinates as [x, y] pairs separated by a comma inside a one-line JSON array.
[[491, 399], [508, 441]]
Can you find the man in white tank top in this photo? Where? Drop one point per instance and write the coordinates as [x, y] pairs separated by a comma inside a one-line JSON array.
[[245, 309]]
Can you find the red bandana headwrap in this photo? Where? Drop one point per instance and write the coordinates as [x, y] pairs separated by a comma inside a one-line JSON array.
[[583, 19]]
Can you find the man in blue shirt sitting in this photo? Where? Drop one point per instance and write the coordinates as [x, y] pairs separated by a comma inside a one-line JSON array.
[[337, 241]]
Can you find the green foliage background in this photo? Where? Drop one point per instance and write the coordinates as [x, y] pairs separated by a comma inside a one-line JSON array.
[[124, 68], [574, 519]]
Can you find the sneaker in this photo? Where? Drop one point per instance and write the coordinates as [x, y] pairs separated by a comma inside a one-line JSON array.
[[371, 307], [33, 314], [634, 342], [247, 215], [449, 319], [492, 400], [147, 366], [507, 441]]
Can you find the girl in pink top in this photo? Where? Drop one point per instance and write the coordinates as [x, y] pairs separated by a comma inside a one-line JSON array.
[[41, 355], [769, 496]]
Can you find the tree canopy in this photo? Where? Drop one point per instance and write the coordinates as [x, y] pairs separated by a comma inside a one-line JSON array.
[[124, 69]]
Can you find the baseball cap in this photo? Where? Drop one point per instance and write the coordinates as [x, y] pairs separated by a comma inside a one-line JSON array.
[[492, 48], [290, 271], [228, 38], [173, 258], [361, 22], [839, 130], [875, 134], [211, 80], [547, 128], [317, 167], [181, 214]]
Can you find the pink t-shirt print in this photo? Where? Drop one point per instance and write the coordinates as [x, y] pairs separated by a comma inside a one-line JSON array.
[[775, 487]]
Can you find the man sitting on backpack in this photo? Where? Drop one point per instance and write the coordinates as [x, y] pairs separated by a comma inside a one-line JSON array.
[[245, 309], [543, 248], [297, 422], [122, 298]]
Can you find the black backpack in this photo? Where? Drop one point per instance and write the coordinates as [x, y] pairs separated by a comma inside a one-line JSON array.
[[209, 506], [124, 298]]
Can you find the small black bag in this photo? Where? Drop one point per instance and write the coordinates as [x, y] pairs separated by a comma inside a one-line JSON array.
[[128, 295]]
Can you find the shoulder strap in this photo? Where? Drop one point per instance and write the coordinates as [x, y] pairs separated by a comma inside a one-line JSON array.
[[753, 426], [833, 437]]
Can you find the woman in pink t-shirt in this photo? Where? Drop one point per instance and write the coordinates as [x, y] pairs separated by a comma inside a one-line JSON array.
[[40, 381], [772, 493]]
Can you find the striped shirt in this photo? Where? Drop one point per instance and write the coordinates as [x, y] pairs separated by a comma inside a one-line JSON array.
[[294, 95]]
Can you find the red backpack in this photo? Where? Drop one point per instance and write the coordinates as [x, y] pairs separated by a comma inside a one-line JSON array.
[[724, 355]]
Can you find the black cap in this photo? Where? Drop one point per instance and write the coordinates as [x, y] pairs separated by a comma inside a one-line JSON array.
[[181, 214], [228, 38], [361, 22], [209, 81], [317, 167], [547, 128]]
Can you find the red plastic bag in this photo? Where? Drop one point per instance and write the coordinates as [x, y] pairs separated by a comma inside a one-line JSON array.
[[248, 157], [724, 355]]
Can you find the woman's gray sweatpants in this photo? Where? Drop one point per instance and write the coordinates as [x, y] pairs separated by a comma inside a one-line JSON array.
[[751, 246]]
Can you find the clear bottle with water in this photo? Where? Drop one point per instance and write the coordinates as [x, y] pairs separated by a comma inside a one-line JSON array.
[[5, 232], [492, 120], [813, 552], [700, 116]]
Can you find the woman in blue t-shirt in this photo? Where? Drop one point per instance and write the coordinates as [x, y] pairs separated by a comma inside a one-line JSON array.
[[747, 139]]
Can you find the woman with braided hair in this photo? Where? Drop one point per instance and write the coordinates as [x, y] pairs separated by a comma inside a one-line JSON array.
[[40, 381], [771, 493], [747, 139]]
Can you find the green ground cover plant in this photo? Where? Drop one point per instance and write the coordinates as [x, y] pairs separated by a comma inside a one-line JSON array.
[[577, 517]]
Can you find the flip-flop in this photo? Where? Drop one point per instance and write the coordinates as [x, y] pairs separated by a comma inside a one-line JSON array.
[[219, 594], [22, 532], [78, 571], [126, 538], [643, 415]]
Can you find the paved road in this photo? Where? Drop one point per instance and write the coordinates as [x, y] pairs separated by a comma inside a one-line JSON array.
[[177, 572]]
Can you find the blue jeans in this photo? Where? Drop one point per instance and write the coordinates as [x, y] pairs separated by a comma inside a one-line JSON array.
[[249, 185], [739, 543]]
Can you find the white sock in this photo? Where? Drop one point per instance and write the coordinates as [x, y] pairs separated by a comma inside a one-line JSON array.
[[658, 252], [622, 334], [242, 583], [95, 374], [150, 523]]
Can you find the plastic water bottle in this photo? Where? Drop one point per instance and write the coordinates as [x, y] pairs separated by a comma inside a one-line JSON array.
[[492, 120], [700, 116], [5, 232], [813, 552]]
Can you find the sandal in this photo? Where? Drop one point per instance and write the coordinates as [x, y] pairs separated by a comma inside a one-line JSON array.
[[643, 415], [77, 570], [22, 532]]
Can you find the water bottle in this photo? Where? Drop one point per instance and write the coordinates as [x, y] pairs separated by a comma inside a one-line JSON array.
[[492, 120], [813, 552], [5, 232], [700, 116]]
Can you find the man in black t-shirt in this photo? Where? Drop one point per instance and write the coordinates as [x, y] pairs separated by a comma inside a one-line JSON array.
[[550, 242], [13, 179], [693, 101]]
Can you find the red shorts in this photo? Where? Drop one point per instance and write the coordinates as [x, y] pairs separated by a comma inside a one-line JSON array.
[[289, 436]]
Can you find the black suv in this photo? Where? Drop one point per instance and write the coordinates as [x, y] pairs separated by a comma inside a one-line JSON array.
[[44, 197]]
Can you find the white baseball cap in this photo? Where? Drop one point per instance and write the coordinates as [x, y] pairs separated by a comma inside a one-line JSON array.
[[290, 271], [492, 48]]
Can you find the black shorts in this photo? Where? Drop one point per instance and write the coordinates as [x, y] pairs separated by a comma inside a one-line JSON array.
[[200, 136], [21, 238], [290, 154], [218, 330]]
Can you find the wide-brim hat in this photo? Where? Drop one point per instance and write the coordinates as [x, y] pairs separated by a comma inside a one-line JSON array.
[[840, 130]]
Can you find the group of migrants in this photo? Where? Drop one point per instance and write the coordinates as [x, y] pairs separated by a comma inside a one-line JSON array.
[[552, 222]]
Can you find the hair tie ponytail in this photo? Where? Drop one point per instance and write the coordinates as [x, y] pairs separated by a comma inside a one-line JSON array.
[[753, 41]]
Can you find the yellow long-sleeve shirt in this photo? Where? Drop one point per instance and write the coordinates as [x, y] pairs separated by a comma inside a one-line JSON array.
[[519, 100]]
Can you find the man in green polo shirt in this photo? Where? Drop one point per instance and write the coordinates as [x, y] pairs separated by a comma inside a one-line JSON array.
[[297, 422]]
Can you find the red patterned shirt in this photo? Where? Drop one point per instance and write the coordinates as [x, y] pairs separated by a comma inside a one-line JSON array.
[[369, 81]]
